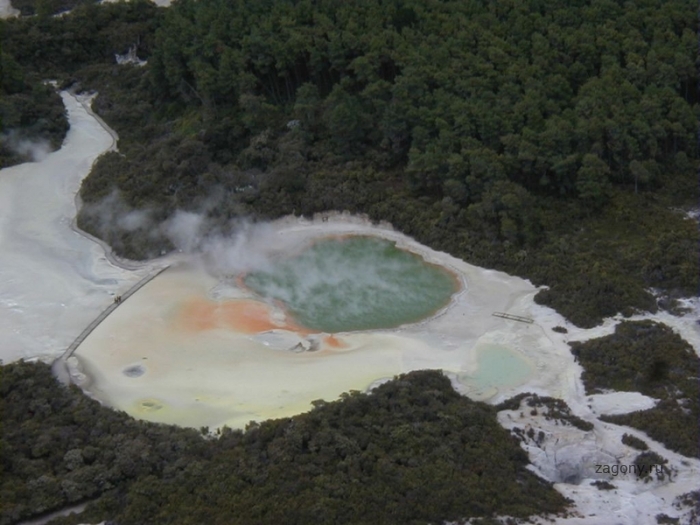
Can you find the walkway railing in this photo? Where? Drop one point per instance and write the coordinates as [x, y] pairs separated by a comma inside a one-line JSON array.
[[59, 366], [513, 317]]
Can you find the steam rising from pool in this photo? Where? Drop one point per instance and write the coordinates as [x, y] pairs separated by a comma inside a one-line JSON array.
[[355, 283]]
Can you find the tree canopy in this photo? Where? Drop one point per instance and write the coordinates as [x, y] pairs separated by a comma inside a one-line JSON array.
[[469, 92]]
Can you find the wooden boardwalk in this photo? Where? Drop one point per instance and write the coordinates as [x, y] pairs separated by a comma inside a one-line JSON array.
[[59, 367], [512, 317]]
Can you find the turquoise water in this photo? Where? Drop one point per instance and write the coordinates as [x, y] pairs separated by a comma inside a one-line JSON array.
[[499, 366], [355, 283]]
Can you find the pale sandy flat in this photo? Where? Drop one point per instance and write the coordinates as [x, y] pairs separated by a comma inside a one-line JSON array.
[[620, 402]]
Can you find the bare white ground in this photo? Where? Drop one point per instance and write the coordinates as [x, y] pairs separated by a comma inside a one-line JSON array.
[[560, 452], [53, 280], [620, 403]]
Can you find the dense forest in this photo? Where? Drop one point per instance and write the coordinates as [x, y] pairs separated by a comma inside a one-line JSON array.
[[649, 358], [554, 140], [32, 116], [412, 451]]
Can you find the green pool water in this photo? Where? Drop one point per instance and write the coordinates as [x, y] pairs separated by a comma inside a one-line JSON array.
[[355, 283], [499, 366]]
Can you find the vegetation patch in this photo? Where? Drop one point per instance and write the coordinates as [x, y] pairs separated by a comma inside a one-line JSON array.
[[412, 451], [650, 465], [58, 447], [666, 519], [44, 8], [689, 500], [603, 485], [634, 442], [649, 358], [32, 116]]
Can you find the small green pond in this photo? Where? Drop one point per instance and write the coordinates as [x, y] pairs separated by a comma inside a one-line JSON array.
[[355, 283], [500, 367]]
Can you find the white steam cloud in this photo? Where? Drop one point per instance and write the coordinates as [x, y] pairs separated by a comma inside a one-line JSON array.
[[248, 248], [184, 230], [35, 150], [239, 246], [134, 220], [112, 214]]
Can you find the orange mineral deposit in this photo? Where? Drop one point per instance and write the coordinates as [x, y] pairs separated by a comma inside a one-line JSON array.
[[333, 342], [242, 315]]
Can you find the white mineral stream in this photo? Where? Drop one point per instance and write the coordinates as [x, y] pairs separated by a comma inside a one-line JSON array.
[[53, 280], [191, 350]]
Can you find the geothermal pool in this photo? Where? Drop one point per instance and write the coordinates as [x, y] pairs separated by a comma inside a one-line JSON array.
[[324, 308], [355, 283]]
